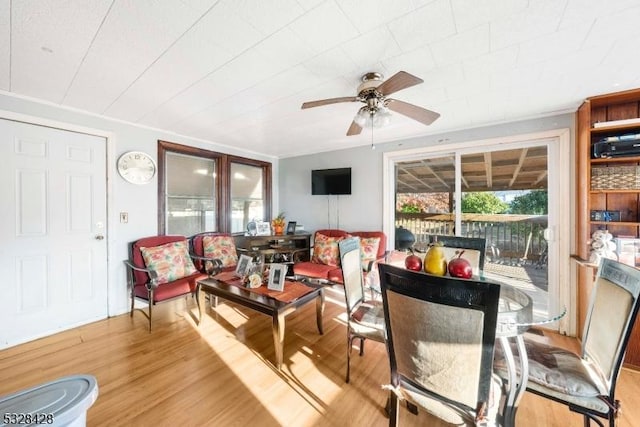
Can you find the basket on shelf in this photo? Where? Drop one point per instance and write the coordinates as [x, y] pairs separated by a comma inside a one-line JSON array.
[[615, 177]]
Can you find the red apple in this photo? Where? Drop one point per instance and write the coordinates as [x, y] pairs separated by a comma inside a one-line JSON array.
[[460, 267], [413, 262]]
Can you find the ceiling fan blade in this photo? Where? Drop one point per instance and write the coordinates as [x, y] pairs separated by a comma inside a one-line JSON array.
[[420, 114], [321, 102], [354, 129], [400, 80]]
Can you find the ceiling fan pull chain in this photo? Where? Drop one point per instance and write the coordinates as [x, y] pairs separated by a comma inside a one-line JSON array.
[[373, 147]]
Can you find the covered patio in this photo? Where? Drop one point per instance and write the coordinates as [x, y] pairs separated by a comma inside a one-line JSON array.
[[516, 247]]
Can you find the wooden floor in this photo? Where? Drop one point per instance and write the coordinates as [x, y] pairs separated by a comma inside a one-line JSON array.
[[221, 373]]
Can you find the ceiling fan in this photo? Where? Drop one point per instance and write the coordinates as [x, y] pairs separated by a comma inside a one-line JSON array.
[[373, 92]]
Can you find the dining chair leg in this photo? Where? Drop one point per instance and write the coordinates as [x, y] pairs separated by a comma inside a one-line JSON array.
[[412, 408], [361, 346], [588, 418], [393, 409], [587, 421], [349, 344]]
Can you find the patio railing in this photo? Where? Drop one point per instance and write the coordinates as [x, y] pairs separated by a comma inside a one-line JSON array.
[[513, 237]]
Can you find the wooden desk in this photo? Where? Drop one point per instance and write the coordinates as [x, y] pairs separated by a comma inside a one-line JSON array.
[[278, 248]]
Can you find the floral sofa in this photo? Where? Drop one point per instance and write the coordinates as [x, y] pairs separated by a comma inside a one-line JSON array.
[[325, 258]]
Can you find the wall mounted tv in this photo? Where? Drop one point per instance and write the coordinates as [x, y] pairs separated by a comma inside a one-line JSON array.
[[331, 181]]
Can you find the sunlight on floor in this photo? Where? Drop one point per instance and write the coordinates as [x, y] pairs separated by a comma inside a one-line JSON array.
[[273, 383]]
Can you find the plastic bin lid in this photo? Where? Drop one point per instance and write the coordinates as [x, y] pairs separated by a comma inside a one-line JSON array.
[[66, 398]]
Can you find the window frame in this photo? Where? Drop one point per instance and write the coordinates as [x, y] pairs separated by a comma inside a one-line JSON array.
[[223, 182]]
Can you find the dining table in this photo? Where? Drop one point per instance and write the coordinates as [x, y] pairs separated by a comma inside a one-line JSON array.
[[515, 317]]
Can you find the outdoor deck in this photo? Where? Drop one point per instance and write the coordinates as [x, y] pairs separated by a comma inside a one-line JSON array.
[[516, 248]]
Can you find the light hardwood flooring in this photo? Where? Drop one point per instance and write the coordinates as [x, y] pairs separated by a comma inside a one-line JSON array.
[[221, 372]]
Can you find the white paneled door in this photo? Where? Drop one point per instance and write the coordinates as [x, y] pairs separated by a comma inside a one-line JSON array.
[[53, 250]]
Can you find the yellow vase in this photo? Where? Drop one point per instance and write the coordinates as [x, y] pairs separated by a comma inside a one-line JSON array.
[[435, 262]]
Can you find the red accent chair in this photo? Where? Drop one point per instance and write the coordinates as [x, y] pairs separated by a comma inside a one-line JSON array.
[[206, 264], [143, 281], [333, 273]]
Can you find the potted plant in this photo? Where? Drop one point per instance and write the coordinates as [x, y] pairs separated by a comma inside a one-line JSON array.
[[278, 224]]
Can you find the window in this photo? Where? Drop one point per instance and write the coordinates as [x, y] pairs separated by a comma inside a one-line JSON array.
[[190, 194], [202, 190], [247, 195]]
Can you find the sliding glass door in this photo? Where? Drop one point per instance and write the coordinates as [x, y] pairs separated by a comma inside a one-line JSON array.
[[499, 192], [424, 194]]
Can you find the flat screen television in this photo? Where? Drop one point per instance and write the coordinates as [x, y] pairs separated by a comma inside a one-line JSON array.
[[331, 181]]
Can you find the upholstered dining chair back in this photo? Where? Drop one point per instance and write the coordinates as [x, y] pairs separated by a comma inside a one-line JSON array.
[[364, 318], [440, 337], [474, 249], [612, 312], [352, 272]]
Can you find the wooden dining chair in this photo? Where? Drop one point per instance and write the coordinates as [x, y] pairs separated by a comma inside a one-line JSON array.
[[586, 382], [364, 318], [441, 337]]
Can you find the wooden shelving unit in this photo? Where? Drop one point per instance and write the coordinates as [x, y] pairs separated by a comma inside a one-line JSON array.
[[603, 109], [633, 159], [274, 246]]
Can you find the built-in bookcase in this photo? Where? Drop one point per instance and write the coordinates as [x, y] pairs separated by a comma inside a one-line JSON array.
[[608, 185]]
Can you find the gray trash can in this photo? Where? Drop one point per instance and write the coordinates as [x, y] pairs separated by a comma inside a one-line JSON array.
[[63, 402]]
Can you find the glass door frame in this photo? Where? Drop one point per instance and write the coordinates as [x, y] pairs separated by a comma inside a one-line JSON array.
[[562, 284]]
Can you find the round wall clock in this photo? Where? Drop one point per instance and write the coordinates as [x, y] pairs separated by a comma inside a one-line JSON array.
[[136, 167]]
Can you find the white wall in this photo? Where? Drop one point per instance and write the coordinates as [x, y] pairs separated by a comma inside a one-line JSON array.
[[140, 201], [362, 210]]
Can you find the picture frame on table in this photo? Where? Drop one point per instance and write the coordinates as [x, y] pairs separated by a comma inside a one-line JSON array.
[[244, 265], [263, 228], [251, 228], [277, 273], [291, 227]]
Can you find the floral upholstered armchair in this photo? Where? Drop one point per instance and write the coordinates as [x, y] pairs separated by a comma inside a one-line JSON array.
[[214, 251], [159, 269]]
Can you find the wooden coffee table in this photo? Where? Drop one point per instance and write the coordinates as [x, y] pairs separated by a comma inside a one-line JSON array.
[[276, 307]]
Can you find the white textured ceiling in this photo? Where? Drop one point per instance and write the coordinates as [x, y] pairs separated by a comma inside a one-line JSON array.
[[235, 72]]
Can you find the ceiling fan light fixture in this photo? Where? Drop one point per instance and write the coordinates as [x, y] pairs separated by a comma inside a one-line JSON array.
[[382, 117], [361, 117], [379, 117]]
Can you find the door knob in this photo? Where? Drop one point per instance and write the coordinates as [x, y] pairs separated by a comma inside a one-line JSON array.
[[99, 237]]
